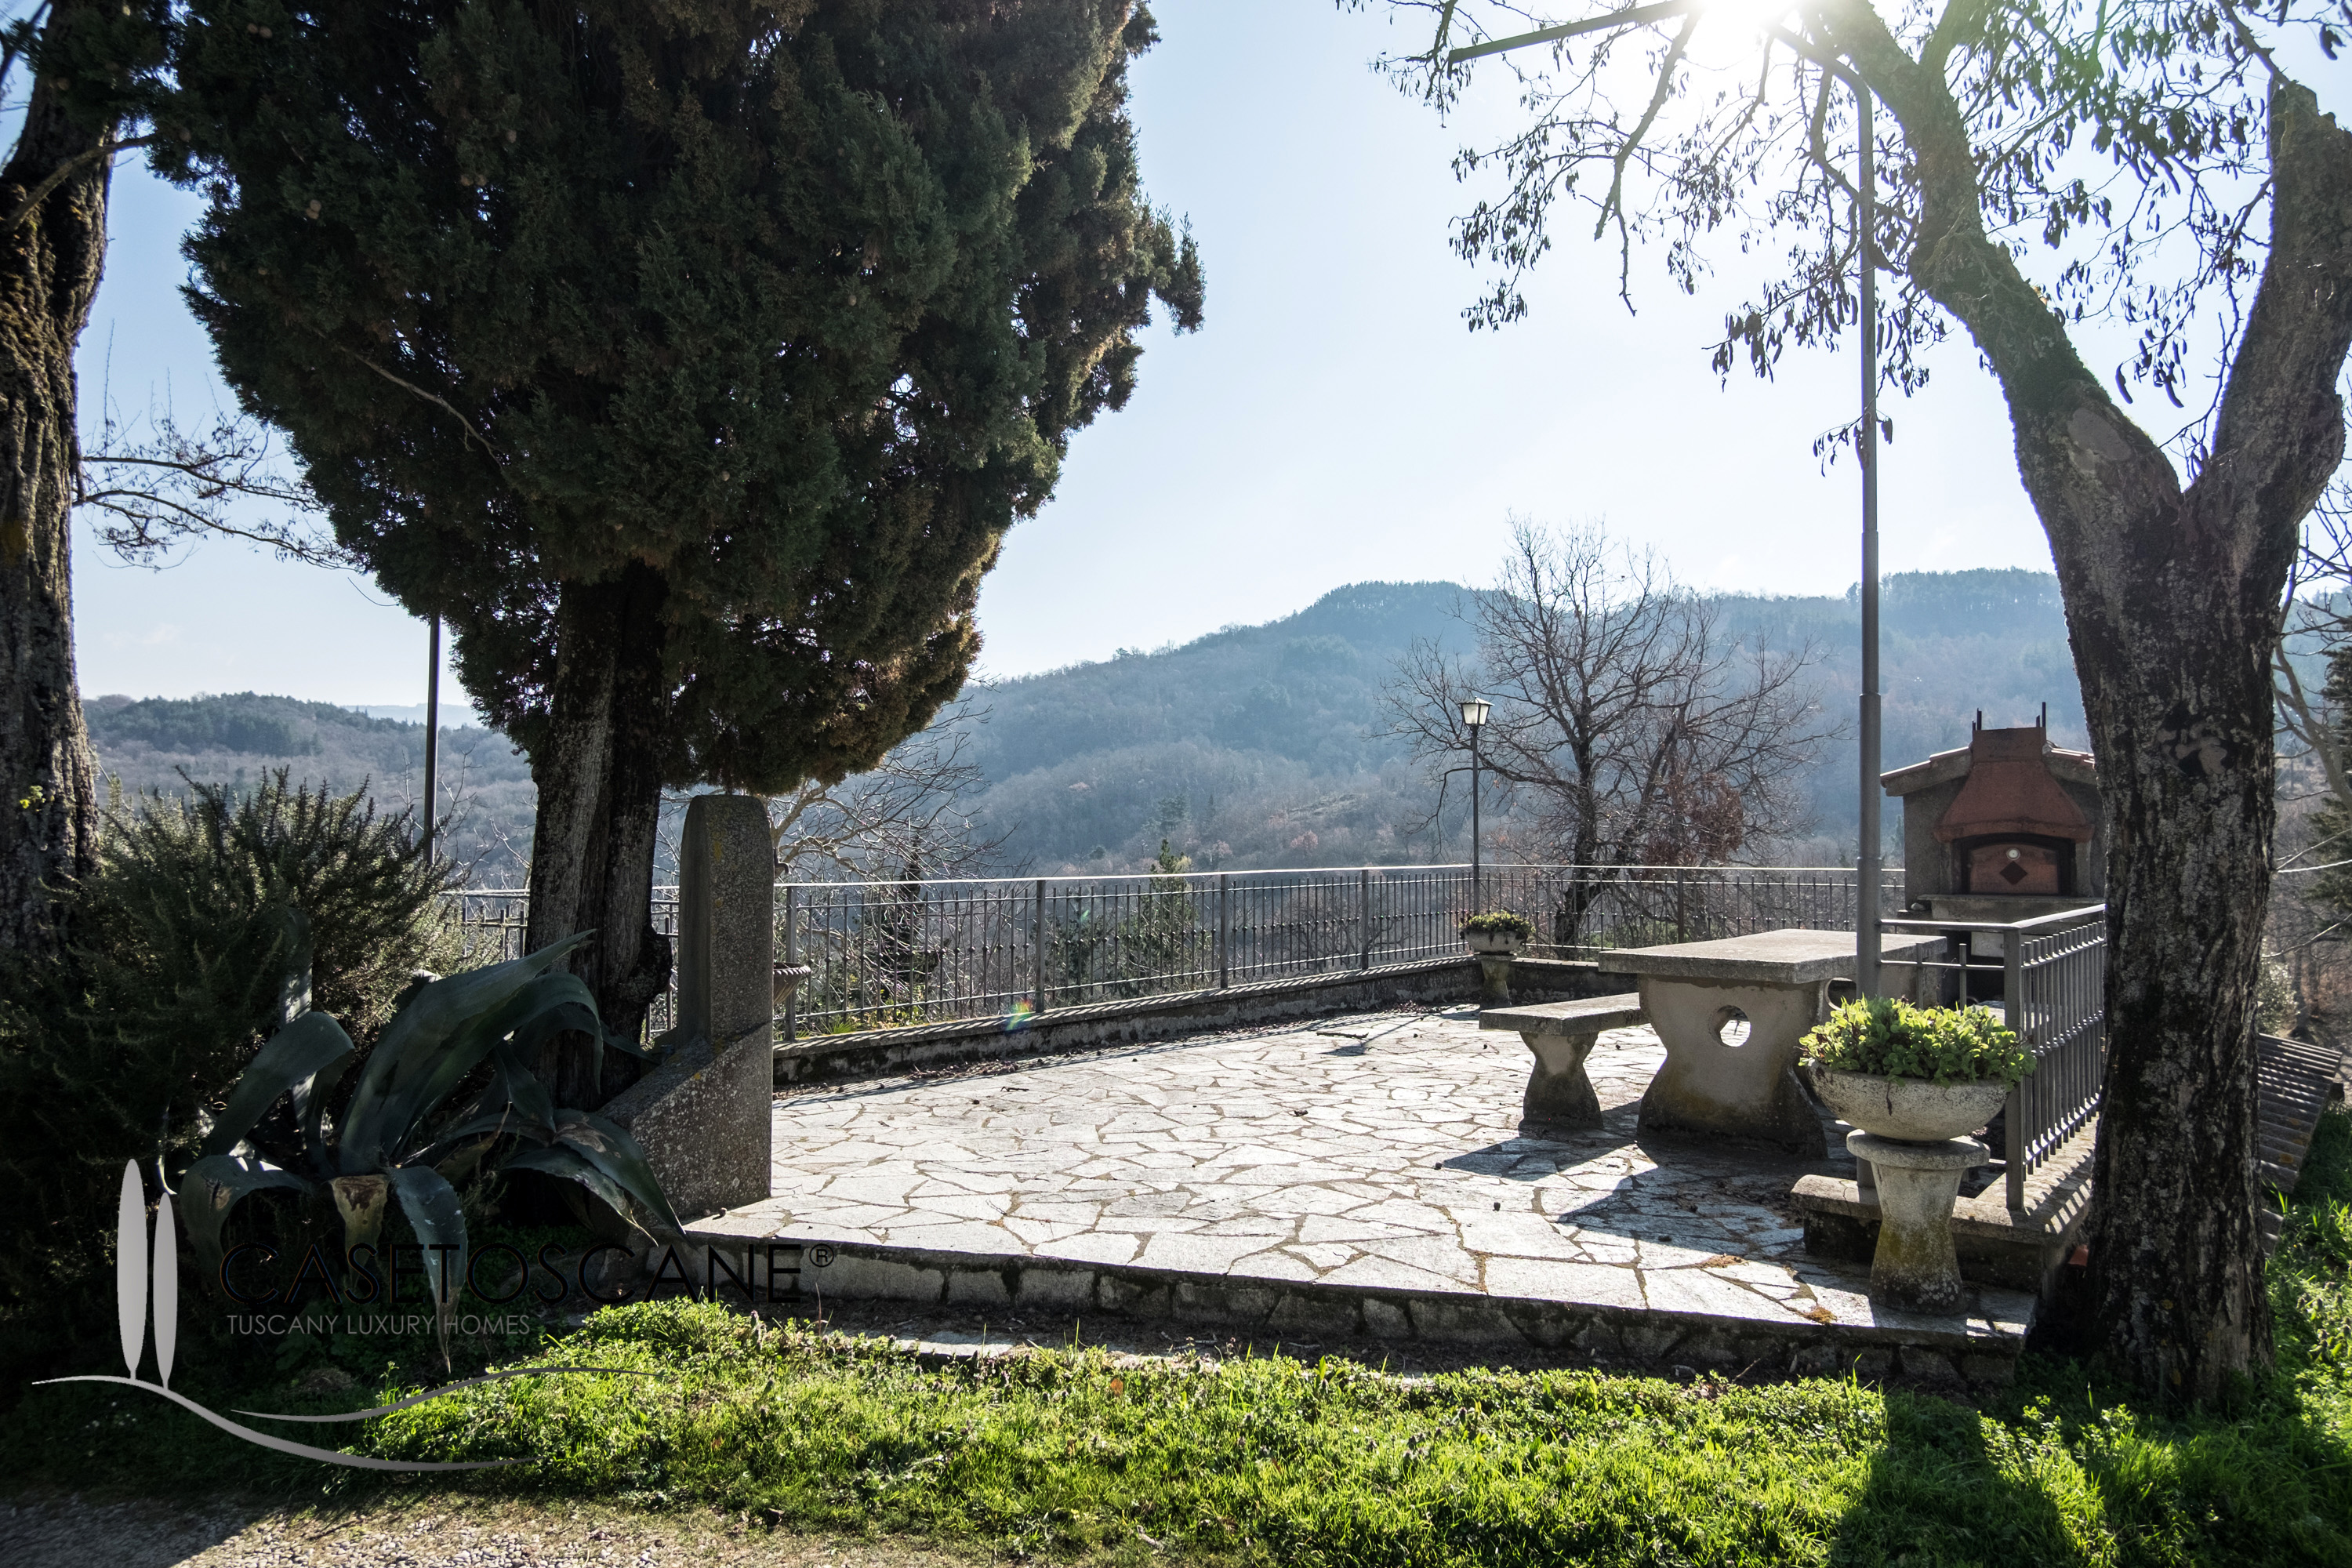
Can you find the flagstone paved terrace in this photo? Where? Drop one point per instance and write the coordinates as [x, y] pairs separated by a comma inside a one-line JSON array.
[[1372, 1168]]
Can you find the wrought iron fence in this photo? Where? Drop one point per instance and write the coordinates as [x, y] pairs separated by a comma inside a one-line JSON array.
[[886, 953], [1580, 911], [895, 953], [491, 923], [2049, 976]]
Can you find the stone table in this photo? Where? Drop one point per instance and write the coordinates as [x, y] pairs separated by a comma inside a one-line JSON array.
[[1730, 1014]]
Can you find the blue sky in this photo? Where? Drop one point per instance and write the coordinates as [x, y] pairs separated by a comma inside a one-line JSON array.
[[1334, 422]]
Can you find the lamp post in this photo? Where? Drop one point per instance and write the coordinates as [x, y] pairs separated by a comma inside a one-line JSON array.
[[1474, 718], [1866, 870]]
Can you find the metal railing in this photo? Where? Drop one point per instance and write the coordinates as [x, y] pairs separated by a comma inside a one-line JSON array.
[[2049, 977], [885, 955], [491, 923], [1582, 912]]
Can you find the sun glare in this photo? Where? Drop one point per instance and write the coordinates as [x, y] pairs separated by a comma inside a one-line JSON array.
[[1746, 13]]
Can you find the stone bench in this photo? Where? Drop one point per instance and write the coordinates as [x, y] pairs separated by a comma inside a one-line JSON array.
[[1560, 1035]]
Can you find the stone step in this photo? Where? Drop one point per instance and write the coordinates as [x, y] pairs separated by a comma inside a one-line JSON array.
[[800, 1273], [2016, 1251]]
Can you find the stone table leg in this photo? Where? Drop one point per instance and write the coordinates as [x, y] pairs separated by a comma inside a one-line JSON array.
[[1711, 1087], [1558, 1090], [1916, 1265]]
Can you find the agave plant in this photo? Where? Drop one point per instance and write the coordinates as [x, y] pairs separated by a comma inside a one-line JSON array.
[[390, 1144]]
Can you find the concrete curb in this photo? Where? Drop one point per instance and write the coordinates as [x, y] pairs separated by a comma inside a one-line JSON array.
[[804, 1271]]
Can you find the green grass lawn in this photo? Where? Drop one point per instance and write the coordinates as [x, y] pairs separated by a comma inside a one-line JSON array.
[[1271, 1459]]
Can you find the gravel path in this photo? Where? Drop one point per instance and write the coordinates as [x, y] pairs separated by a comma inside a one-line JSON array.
[[73, 1533]]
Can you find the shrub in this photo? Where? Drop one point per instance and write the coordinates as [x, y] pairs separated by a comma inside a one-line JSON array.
[[1891, 1039], [182, 925], [179, 944], [1499, 922], [397, 1139]]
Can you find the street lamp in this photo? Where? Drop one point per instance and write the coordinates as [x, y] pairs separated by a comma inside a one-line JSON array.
[[1866, 872], [1474, 718]]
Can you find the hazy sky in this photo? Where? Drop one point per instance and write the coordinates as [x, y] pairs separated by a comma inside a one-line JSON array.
[[1334, 422]]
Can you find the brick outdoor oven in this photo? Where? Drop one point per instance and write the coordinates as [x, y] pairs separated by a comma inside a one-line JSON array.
[[2005, 829]]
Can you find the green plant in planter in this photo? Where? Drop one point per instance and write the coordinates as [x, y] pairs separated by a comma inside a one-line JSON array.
[[1888, 1038], [1498, 922], [390, 1144]]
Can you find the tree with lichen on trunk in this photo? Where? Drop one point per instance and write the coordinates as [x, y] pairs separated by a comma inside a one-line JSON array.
[[87, 59], [690, 361], [2147, 160]]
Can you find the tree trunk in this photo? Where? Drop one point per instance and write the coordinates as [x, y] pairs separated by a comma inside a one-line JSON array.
[[599, 805], [2182, 719], [2171, 598], [48, 814]]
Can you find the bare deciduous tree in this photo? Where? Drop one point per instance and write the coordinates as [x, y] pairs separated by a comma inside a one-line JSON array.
[[909, 816], [156, 488], [1639, 732]]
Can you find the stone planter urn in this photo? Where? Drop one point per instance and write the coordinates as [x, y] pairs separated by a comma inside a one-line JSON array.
[[1911, 1110], [1909, 1133], [1495, 949]]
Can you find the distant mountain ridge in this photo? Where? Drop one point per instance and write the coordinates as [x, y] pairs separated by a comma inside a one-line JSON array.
[[1262, 745], [1250, 746], [237, 739]]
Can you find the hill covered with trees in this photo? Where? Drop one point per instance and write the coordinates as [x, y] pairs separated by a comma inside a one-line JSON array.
[[1251, 746], [1268, 745], [485, 787]]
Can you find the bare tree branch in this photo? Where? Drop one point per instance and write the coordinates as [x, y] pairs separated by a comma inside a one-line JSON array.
[[912, 816], [158, 489], [67, 170], [1639, 731]]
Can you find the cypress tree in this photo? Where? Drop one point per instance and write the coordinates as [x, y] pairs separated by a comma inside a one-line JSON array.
[[690, 359]]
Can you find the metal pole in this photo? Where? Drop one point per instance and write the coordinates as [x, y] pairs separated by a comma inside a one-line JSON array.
[[1224, 936], [1477, 897], [792, 950], [1037, 945], [1364, 914], [1866, 975], [2012, 1016], [431, 737]]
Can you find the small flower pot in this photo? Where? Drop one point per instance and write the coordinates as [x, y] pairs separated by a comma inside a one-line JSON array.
[[1909, 1110], [1493, 943], [788, 980]]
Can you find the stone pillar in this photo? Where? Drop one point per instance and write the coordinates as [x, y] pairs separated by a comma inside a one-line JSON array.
[[704, 1113], [1915, 1264]]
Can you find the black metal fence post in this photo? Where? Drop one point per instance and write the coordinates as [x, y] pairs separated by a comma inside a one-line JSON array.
[[1037, 946], [1225, 933], [2012, 996], [793, 1001]]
